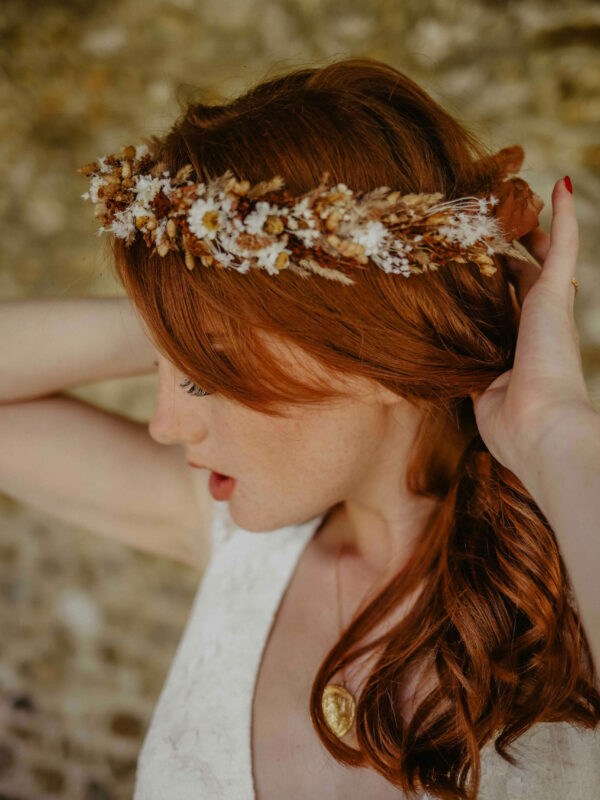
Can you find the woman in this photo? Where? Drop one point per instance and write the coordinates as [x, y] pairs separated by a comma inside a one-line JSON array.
[[344, 416]]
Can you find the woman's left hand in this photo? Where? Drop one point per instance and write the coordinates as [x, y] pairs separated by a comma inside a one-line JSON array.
[[546, 382]]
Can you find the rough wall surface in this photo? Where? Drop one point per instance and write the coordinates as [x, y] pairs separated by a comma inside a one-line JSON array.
[[89, 626]]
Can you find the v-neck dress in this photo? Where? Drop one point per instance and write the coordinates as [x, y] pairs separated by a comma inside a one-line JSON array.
[[198, 744]]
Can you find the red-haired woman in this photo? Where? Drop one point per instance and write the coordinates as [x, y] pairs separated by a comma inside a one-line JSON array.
[[385, 610]]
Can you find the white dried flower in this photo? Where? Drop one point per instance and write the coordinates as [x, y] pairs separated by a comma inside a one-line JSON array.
[[399, 233]]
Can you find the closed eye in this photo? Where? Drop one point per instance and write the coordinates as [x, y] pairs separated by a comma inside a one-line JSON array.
[[193, 389]]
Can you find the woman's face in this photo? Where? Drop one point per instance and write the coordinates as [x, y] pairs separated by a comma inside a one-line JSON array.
[[287, 470]]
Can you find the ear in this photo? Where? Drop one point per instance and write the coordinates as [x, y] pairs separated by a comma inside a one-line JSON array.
[[378, 393], [387, 397]]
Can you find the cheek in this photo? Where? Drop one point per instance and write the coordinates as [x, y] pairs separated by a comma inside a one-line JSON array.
[[316, 450], [291, 470]]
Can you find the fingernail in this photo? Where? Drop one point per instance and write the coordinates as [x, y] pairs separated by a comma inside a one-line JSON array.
[[568, 184]]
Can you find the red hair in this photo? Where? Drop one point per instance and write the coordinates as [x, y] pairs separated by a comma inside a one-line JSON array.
[[495, 628]]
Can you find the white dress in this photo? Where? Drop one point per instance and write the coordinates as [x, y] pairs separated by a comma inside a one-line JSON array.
[[198, 744]]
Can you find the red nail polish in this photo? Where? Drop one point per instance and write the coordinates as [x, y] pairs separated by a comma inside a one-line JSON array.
[[568, 184]]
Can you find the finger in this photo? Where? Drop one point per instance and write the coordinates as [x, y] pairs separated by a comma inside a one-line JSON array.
[[560, 265]]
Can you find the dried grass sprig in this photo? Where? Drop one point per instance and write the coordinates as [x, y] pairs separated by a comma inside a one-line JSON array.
[[228, 223]]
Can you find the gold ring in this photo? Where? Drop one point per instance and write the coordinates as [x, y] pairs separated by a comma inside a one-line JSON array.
[[575, 284]]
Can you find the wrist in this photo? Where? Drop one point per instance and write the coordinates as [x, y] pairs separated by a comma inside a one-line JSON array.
[[570, 435]]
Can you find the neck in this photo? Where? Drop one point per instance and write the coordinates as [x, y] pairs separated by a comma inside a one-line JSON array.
[[369, 542]]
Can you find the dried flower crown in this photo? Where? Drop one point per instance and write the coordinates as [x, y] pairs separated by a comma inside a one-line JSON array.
[[231, 224]]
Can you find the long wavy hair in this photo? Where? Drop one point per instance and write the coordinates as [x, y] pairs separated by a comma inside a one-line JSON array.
[[495, 628]]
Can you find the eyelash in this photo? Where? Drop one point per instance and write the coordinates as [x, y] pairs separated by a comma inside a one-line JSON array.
[[195, 390]]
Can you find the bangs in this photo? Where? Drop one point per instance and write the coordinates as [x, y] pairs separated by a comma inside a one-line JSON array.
[[199, 322]]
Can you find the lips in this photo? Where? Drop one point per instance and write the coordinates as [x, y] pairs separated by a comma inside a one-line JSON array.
[[221, 487], [201, 466]]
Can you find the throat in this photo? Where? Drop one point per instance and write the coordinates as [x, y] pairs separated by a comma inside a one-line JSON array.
[[334, 541]]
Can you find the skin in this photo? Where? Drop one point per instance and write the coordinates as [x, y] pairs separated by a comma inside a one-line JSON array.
[[521, 406], [354, 451], [538, 419], [290, 470]]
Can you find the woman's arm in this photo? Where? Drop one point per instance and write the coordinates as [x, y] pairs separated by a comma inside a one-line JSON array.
[[562, 474], [81, 464], [52, 344]]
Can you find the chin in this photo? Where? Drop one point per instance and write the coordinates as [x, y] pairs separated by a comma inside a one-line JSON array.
[[257, 524]]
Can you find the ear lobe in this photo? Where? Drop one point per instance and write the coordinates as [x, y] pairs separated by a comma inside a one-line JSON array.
[[386, 396]]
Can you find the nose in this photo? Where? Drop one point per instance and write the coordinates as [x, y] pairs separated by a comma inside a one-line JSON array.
[[161, 428], [176, 419]]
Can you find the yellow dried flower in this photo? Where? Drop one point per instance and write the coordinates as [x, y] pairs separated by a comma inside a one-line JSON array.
[[326, 222], [333, 219], [210, 220], [281, 260], [273, 224]]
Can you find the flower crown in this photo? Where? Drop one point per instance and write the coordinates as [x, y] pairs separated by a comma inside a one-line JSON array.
[[231, 224]]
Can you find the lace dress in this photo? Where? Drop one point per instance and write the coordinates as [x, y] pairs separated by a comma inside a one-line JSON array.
[[198, 744]]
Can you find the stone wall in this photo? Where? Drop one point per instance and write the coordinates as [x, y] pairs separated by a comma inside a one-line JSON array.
[[89, 626]]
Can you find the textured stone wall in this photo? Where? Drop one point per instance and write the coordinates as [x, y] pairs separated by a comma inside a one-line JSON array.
[[89, 626]]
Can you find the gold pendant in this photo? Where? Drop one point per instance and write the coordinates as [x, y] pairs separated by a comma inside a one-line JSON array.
[[339, 708]]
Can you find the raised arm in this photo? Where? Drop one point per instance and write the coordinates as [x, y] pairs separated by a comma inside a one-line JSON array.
[[52, 344], [82, 464]]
